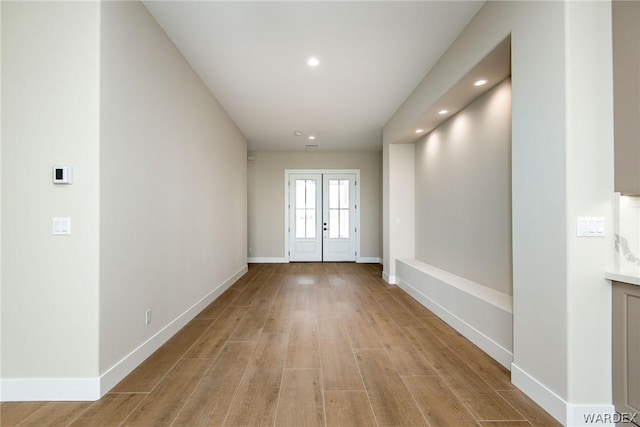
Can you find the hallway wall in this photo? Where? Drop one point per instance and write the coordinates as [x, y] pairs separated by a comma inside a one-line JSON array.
[[50, 115], [158, 203], [173, 189], [266, 197]]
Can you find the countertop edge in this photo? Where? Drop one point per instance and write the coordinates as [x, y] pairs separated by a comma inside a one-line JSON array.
[[624, 278]]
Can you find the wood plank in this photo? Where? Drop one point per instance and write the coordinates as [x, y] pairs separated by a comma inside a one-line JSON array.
[[213, 339], [306, 298], [327, 303], [505, 424], [413, 306], [438, 403], [54, 414], [390, 399], [300, 402], [397, 311], [111, 410], [249, 327], [220, 304], [339, 368], [277, 324], [162, 405], [373, 284], [152, 370], [303, 348], [484, 403], [286, 298], [530, 409], [481, 363], [210, 401], [281, 314], [348, 408], [271, 289], [365, 299], [439, 326], [248, 294], [361, 333], [11, 413], [405, 356], [256, 399]]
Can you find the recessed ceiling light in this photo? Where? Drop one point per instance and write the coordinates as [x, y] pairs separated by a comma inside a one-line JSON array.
[[443, 112], [312, 137], [419, 130], [313, 62], [297, 133], [480, 82]]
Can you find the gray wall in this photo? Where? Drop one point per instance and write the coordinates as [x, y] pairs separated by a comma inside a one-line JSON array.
[[626, 73], [173, 183], [463, 192], [266, 196]]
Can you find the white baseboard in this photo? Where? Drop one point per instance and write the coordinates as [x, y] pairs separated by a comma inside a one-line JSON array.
[[368, 260], [267, 260], [49, 389], [547, 399], [389, 279], [567, 414], [591, 415], [480, 314], [283, 260], [90, 389]]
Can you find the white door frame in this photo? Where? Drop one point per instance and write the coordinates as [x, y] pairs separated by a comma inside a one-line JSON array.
[[288, 172]]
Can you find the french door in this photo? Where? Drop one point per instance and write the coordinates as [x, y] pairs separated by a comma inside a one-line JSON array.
[[322, 216]]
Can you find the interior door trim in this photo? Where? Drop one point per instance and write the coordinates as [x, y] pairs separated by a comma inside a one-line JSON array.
[[288, 172]]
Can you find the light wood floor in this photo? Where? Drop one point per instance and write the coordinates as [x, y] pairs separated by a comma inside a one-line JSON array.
[[306, 345]]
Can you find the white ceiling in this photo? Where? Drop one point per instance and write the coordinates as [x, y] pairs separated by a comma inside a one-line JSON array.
[[252, 56]]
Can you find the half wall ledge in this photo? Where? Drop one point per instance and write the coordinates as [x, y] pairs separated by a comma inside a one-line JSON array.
[[482, 315]]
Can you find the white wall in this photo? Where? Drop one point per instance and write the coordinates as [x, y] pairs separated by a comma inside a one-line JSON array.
[[50, 115], [266, 196], [562, 166], [158, 204], [463, 192], [173, 193], [401, 209]]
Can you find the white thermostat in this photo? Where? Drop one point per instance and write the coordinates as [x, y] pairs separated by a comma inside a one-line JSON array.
[[62, 174]]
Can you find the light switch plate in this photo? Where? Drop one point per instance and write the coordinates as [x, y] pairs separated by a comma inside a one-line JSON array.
[[590, 226], [61, 226]]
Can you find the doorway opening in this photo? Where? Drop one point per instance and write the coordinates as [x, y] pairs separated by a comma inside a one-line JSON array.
[[321, 215]]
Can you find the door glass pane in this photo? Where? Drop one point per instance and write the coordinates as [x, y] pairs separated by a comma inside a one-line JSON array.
[[311, 194], [334, 223], [311, 224], [305, 209], [344, 194], [333, 194], [300, 193], [300, 224], [339, 208], [344, 223]]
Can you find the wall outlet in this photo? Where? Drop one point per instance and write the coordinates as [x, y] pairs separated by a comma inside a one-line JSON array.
[[147, 317]]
